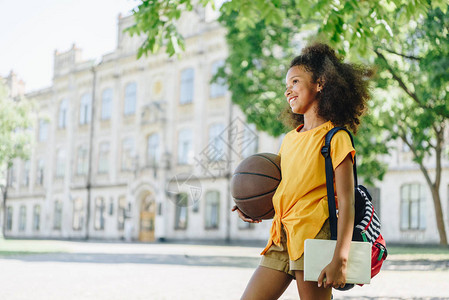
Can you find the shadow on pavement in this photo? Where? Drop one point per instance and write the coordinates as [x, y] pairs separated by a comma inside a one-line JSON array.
[[390, 298], [172, 259], [196, 260]]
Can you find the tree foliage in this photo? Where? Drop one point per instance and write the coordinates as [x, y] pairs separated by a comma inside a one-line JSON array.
[[407, 41], [14, 128]]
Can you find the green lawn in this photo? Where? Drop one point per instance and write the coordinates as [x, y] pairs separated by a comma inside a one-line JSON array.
[[433, 252], [23, 247]]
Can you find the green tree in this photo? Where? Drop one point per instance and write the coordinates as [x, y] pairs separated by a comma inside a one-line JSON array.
[[15, 135], [406, 40], [417, 67]]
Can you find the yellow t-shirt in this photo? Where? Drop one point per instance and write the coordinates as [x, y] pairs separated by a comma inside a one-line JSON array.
[[300, 201]]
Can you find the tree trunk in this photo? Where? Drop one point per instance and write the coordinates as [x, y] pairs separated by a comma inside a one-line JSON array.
[[3, 208], [439, 215], [434, 186]]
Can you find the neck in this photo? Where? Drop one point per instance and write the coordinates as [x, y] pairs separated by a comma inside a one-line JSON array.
[[312, 121]]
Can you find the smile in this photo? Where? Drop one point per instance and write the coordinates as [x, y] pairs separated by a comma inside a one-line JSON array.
[[290, 100]]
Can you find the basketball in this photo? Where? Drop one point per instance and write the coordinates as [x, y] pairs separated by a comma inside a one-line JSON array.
[[254, 183]]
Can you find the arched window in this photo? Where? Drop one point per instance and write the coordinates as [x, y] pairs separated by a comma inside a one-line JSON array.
[[128, 154], [212, 209], [78, 214], [121, 213], [130, 98], [250, 141], [185, 146], [43, 130], [36, 217], [153, 150], [216, 146], [100, 213], [63, 113], [218, 88], [22, 218], [57, 215], [85, 109], [9, 218], [106, 104], [187, 86], [40, 172], [26, 173], [181, 214], [103, 158], [60, 163], [82, 161]]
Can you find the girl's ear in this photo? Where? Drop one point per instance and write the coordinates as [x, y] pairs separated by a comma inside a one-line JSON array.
[[320, 85]]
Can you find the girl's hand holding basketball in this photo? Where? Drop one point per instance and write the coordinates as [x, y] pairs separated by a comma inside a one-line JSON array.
[[243, 216]]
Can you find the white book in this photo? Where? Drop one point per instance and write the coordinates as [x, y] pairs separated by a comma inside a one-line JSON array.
[[318, 254]]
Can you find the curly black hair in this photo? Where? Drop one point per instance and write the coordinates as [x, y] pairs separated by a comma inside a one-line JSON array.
[[345, 87]]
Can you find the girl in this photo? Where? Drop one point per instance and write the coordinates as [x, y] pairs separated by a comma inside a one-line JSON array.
[[322, 92]]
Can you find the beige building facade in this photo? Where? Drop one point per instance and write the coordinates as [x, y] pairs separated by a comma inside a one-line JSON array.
[[129, 149], [135, 149]]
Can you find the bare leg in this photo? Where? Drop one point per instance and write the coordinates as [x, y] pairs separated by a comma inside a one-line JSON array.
[[309, 290], [266, 284]]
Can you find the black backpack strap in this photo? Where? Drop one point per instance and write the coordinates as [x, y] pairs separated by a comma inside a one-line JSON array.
[[326, 152]]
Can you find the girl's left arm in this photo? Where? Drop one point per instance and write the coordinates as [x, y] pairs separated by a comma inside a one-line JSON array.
[[335, 272]]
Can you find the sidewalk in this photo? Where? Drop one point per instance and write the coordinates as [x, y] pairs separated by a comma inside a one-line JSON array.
[[98, 270]]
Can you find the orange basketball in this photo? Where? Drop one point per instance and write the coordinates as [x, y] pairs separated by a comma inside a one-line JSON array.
[[254, 183]]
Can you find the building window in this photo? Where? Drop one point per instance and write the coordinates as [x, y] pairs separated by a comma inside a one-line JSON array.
[[63, 109], [85, 109], [128, 154], [9, 218], [22, 218], [181, 211], [216, 146], [413, 209], [187, 82], [78, 214], [212, 209], [103, 158], [185, 147], [121, 213], [40, 172], [153, 151], [26, 173], [100, 212], [60, 163], [36, 217], [82, 161], [111, 206], [11, 176], [250, 142], [217, 88], [130, 99], [57, 215], [43, 130], [106, 104]]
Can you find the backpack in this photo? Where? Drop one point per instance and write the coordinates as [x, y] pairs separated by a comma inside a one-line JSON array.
[[366, 221]]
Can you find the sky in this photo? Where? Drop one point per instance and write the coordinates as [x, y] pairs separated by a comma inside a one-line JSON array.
[[31, 30]]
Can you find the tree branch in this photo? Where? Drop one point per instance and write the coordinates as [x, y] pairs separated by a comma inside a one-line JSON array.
[[438, 151], [401, 82], [402, 55], [423, 169]]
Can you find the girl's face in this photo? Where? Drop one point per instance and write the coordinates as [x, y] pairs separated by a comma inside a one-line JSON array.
[[300, 91]]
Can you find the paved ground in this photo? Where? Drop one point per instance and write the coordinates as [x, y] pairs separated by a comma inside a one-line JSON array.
[[91, 270]]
